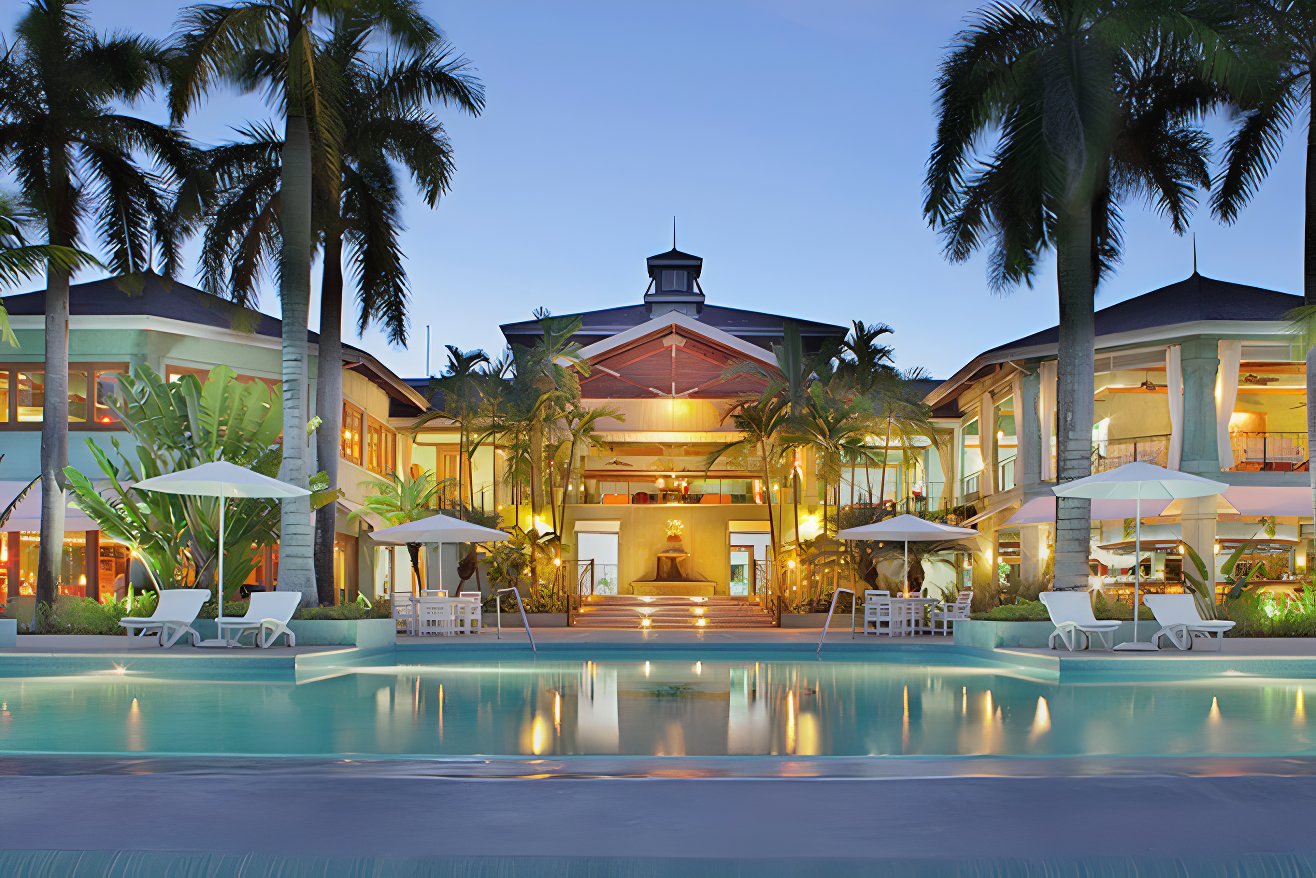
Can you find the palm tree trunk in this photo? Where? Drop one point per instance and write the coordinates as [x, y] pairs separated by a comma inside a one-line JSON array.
[[767, 486], [1074, 394], [1309, 279], [329, 409], [886, 447], [54, 433], [296, 543]]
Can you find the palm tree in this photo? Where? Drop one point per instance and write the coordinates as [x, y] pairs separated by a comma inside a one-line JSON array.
[[761, 423], [581, 426], [832, 429], [76, 158], [271, 46], [1083, 106], [400, 499], [1278, 100], [19, 260], [458, 396]]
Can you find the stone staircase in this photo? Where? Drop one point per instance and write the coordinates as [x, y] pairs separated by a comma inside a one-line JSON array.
[[670, 611]]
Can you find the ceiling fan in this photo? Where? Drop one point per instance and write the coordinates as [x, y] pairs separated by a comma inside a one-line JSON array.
[[617, 462], [1261, 380], [1148, 384]]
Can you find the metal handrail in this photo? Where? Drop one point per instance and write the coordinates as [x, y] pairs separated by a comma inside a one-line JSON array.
[[832, 609], [498, 610]]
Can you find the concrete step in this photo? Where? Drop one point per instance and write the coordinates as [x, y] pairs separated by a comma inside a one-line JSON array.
[[666, 612]]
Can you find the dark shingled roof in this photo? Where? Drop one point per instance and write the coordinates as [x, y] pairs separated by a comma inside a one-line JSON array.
[[151, 294], [1192, 299], [675, 255], [752, 326]]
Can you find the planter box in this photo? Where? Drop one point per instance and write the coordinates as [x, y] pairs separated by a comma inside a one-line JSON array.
[[8, 632], [360, 633], [981, 634]]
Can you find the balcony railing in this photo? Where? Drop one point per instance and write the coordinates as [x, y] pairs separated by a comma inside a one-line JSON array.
[[1005, 474], [1275, 452], [696, 492], [971, 484], [1117, 452]]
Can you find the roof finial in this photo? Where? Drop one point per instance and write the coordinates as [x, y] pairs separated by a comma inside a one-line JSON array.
[[1194, 253], [673, 231]]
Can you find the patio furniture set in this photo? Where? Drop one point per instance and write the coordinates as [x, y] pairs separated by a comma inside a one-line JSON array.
[[266, 620], [434, 613], [1181, 625], [898, 616]]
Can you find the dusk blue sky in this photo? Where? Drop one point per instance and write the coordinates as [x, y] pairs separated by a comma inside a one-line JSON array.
[[789, 139]]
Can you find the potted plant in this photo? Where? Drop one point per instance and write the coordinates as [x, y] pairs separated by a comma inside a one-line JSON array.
[[675, 530]]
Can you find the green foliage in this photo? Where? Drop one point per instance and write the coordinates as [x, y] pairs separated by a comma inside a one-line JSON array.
[[542, 598], [1202, 579], [1266, 614], [77, 615], [20, 260], [176, 425], [1035, 611], [346, 612]]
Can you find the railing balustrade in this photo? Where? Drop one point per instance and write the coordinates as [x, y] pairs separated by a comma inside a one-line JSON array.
[[1269, 451], [1113, 453]]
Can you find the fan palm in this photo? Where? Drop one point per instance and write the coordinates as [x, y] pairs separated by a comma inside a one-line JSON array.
[[1279, 100], [20, 260], [272, 46], [400, 499], [77, 160], [457, 395], [1084, 104], [761, 423]]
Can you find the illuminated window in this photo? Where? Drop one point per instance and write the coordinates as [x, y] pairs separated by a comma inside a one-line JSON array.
[[353, 427], [381, 448], [23, 394]]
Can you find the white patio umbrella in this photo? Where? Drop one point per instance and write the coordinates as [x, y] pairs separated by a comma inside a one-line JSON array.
[[1139, 481], [439, 529], [224, 480], [907, 529]]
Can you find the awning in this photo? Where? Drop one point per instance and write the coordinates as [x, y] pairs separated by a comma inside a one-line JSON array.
[[1042, 510], [369, 518], [1259, 501], [27, 517], [988, 513]]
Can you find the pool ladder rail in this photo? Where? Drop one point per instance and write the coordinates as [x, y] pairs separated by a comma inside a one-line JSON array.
[[498, 608], [832, 609]]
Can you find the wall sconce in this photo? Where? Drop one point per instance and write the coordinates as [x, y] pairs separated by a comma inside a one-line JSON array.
[[790, 565]]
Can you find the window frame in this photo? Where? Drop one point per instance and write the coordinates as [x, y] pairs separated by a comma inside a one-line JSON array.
[[92, 368], [357, 416], [387, 461]]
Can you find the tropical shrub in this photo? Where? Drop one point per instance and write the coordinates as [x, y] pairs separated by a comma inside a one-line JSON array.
[[78, 615], [1035, 611], [1266, 614], [176, 425]]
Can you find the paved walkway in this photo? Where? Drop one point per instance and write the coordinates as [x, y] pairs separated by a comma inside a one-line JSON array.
[[1053, 826]]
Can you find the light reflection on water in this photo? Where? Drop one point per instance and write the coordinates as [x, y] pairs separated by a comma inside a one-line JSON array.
[[662, 706]]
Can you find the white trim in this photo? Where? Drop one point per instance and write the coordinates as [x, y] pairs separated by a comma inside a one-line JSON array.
[[1153, 335], [668, 436], [684, 321], [598, 527]]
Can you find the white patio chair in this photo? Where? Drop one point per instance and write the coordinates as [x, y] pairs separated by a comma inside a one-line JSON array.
[[472, 610], [173, 616], [436, 617], [1180, 621], [948, 614], [403, 606], [880, 615], [267, 618], [1071, 613]]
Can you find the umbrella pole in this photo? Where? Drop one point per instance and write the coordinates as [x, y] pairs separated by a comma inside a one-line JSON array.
[[906, 568], [1137, 562], [219, 583]]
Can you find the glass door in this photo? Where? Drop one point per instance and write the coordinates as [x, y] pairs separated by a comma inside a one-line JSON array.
[[741, 577]]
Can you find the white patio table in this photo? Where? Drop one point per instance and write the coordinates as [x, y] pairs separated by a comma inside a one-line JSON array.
[[912, 613]]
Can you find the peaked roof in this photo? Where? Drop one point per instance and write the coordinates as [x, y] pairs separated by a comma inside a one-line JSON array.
[[693, 325], [596, 325], [1194, 300], [675, 255], [149, 295]]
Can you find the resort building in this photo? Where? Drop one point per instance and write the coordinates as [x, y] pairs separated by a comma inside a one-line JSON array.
[[666, 366], [117, 325], [1202, 375]]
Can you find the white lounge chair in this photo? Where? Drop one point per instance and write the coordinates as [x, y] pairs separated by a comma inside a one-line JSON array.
[[948, 614], [1180, 621], [1071, 613], [404, 610], [880, 616], [173, 616], [268, 615]]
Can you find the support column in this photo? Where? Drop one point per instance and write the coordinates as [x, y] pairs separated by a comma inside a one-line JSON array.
[[1028, 427], [1200, 362], [1032, 556], [13, 546], [987, 442], [1199, 532]]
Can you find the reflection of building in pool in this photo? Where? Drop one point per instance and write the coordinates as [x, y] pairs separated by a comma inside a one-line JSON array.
[[1201, 375]]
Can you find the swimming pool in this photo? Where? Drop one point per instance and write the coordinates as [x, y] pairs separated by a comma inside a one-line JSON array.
[[657, 704]]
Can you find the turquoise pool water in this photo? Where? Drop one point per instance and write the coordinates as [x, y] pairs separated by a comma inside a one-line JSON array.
[[662, 704]]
